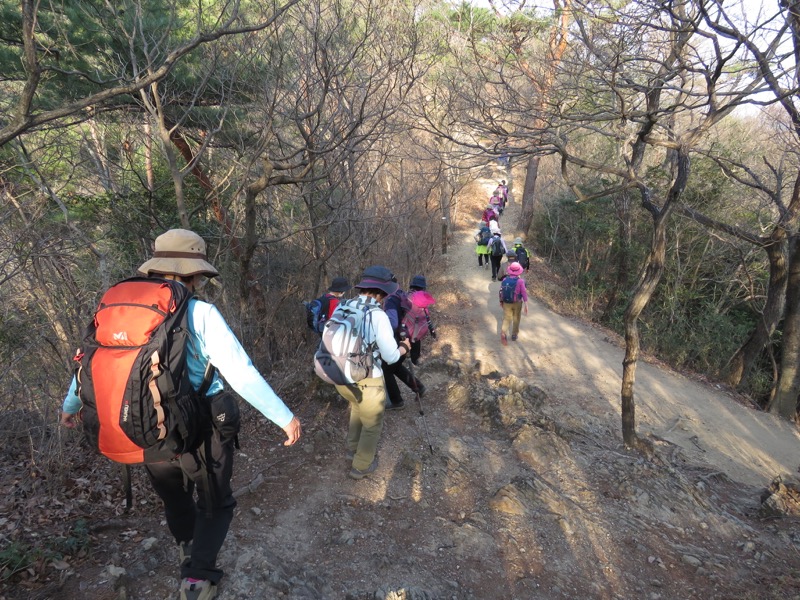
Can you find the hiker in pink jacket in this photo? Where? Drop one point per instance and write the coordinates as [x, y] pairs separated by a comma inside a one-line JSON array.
[[514, 300]]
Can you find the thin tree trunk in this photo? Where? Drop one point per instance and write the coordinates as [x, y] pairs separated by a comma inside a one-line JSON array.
[[528, 196], [744, 358], [784, 402], [624, 237], [148, 156], [651, 275], [252, 191]]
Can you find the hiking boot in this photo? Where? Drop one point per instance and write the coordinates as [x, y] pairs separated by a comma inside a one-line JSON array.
[[359, 474], [399, 406], [503, 339], [193, 589], [514, 337], [185, 551], [420, 389]]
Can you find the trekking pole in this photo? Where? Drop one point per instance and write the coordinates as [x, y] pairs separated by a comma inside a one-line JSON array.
[[419, 400]]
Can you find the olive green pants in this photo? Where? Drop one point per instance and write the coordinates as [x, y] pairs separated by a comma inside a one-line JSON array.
[[367, 401], [511, 316]]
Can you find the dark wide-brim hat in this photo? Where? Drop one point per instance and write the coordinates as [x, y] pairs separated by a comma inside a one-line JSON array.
[[378, 278], [179, 252], [418, 281], [339, 284]]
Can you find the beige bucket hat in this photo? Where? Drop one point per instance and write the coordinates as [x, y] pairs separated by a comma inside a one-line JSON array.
[[179, 252]]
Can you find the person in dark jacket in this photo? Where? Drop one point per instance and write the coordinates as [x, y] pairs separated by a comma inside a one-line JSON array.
[[328, 303], [395, 306], [497, 250]]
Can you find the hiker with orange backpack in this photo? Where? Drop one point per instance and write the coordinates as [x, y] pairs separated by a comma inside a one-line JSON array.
[[513, 300], [179, 422]]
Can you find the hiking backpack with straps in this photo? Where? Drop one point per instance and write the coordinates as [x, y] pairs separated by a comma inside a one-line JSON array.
[[344, 357], [318, 311], [417, 322], [497, 247], [522, 256], [508, 290], [397, 299], [138, 405], [484, 235]]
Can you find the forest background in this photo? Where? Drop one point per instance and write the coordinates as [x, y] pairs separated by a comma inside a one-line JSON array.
[[307, 140]]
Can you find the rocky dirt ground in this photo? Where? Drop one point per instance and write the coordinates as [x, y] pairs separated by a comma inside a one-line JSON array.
[[513, 484]]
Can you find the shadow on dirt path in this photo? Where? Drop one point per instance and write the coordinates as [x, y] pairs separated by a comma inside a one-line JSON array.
[[528, 492], [580, 369]]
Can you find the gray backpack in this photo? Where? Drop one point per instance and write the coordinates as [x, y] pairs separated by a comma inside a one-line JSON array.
[[344, 357]]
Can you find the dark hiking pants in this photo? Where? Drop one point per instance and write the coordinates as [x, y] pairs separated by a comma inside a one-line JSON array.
[[393, 372], [189, 520], [496, 265]]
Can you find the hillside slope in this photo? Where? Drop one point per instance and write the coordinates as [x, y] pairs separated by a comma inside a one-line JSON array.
[[514, 485]]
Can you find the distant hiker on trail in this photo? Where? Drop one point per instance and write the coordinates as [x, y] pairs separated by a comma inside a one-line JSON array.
[[482, 238], [523, 254], [372, 333], [496, 202], [499, 192], [489, 215], [511, 257], [514, 300], [417, 322], [397, 305], [178, 268], [318, 311], [497, 250], [503, 191]]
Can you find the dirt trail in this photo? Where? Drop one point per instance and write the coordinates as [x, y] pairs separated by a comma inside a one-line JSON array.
[[580, 369], [527, 492]]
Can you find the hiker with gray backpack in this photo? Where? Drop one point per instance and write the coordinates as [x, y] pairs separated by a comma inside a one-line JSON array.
[[147, 391], [356, 342]]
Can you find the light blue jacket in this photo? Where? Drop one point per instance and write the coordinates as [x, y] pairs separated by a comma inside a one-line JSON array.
[[212, 340]]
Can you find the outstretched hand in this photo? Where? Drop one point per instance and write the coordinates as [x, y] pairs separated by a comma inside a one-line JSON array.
[[68, 420], [525, 309], [293, 431]]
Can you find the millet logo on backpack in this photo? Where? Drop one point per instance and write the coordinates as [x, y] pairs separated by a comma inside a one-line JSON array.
[[122, 336]]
